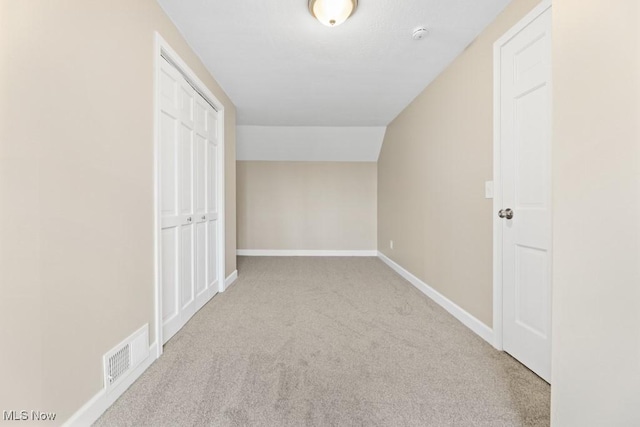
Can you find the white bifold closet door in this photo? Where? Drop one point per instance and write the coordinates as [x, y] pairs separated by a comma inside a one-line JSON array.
[[188, 196]]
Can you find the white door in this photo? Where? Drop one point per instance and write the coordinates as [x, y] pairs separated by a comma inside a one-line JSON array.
[[188, 139], [206, 214], [525, 163]]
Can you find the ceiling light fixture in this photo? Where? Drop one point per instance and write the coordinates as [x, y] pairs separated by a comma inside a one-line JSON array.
[[332, 12]]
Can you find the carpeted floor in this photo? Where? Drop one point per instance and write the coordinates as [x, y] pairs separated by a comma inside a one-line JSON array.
[[329, 342]]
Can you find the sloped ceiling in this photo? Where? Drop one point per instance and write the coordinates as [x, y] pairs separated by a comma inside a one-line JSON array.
[[282, 68], [310, 143]]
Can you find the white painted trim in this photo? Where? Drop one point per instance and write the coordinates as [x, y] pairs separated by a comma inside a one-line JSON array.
[[523, 23], [295, 252], [231, 279], [455, 310], [95, 407], [497, 167], [497, 201], [160, 47], [157, 295]]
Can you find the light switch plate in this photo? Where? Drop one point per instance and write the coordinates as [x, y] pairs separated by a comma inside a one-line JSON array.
[[488, 190]]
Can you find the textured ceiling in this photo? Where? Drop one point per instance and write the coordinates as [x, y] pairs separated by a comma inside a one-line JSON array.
[[281, 67]]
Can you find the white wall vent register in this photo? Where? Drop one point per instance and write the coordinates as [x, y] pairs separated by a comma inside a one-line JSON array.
[[125, 357]]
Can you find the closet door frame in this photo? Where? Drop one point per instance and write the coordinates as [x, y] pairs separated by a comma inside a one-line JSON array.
[[163, 50]]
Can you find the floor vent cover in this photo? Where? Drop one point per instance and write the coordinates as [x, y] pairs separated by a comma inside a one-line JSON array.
[[118, 364], [125, 357]]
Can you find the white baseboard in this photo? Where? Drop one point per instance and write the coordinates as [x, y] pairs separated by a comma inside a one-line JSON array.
[[462, 315], [95, 407], [295, 252], [231, 279]]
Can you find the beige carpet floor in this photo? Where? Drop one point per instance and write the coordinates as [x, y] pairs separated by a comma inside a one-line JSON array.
[[329, 342]]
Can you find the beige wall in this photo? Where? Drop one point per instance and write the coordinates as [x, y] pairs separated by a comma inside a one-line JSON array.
[[596, 184], [307, 205], [230, 215], [76, 190], [436, 156]]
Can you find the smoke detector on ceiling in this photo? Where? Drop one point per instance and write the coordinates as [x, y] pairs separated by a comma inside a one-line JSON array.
[[420, 33]]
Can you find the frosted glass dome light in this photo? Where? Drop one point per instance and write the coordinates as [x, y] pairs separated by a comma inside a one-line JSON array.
[[332, 12]]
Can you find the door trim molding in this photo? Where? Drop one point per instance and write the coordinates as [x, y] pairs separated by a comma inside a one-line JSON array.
[[497, 165], [162, 48]]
